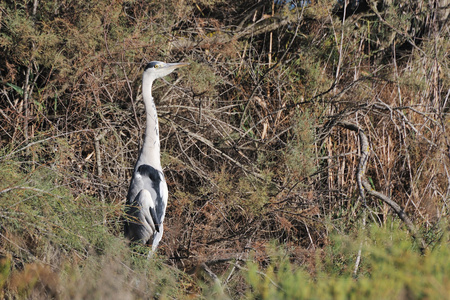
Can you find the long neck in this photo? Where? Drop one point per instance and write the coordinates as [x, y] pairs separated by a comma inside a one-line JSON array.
[[150, 152]]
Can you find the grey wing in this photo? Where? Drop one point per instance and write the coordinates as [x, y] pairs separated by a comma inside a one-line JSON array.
[[161, 211], [142, 221], [161, 205], [145, 202], [153, 181], [151, 210]]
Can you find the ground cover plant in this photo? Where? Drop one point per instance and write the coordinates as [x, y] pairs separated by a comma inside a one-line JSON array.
[[305, 148]]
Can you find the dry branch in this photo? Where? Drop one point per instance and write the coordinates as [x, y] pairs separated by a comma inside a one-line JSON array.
[[224, 37], [210, 144], [364, 184]]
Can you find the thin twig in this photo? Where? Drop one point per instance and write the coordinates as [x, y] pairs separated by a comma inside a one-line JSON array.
[[42, 141]]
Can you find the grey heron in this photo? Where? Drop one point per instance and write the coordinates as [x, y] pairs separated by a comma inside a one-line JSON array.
[[147, 195]]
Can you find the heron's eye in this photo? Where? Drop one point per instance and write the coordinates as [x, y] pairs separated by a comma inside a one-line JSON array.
[[157, 66]]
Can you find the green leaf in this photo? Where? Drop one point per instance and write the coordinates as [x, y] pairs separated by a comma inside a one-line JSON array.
[[15, 87], [371, 182]]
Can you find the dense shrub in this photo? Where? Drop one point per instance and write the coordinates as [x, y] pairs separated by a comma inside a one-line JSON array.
[[251, 146]]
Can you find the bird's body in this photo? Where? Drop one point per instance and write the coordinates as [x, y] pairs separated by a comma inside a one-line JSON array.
[[147, 195]]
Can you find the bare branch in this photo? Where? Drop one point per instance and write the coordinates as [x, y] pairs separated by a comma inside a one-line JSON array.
[[363, 185]]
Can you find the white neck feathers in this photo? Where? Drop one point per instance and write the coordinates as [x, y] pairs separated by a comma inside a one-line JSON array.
[[150, 152]]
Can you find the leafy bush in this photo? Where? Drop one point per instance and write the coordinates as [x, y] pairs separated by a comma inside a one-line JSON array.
[[58, 244], [392, 268]]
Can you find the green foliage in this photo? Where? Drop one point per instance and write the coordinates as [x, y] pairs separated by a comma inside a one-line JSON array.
[[300, 151], [246, 193], [202, 79], [5, 270], [40, 211], [43, 221], [391, 268], [254, 193], [307, 70]]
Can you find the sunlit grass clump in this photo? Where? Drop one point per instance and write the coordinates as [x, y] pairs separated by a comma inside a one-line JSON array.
[[391, 268], [39, 211], [56, 244]]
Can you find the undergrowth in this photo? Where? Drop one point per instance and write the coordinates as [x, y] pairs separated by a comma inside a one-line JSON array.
[[391, 268], [56, 244], [251, 143]]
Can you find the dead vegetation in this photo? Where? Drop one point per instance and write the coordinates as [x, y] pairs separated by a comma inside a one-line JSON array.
[[252, 148]]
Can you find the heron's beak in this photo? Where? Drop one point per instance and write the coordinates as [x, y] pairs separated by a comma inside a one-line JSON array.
[[176, 65]]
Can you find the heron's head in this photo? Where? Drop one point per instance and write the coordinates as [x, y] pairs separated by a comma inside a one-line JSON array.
[[158, 69]]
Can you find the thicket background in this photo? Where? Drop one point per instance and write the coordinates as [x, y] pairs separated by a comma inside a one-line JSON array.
[[264, 200]]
